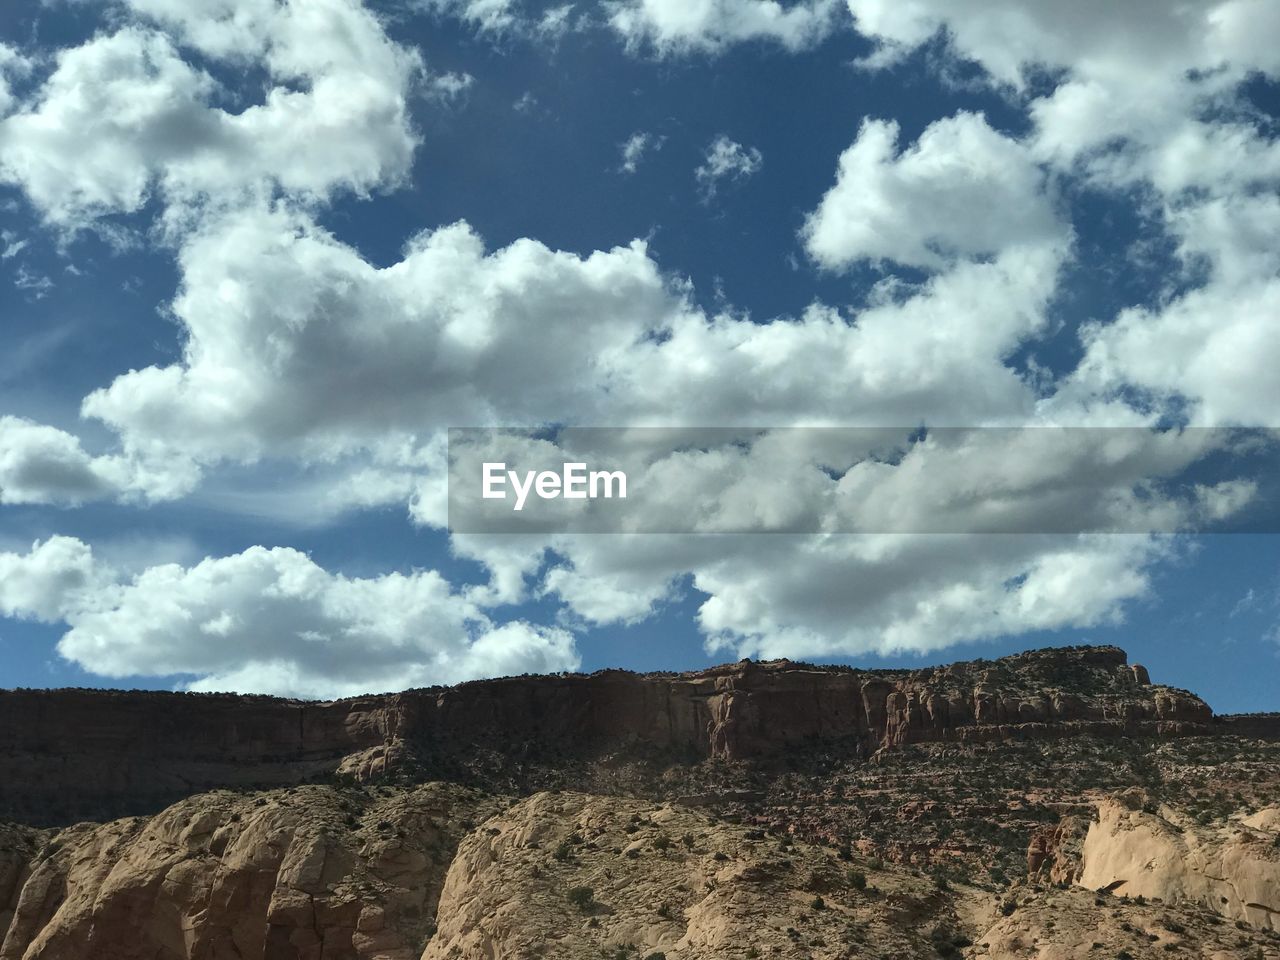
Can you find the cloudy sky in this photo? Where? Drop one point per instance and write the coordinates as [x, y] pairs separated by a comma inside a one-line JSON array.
[[257, 256]]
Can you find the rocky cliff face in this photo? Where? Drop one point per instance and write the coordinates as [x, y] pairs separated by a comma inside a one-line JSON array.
[[753, 709], [71, 754], [309, 873], [1232, 867], [753, 810], [439, 872], [88, 754]]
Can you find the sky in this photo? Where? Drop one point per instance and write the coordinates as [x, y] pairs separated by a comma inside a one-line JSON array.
[[257, 257]]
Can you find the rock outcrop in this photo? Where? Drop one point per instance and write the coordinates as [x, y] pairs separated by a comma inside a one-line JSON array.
[[1231, 867], [1054, 851], [18, 847], [73, 754], [753, 810], [1074, 924], [309, 874], [579, 877]]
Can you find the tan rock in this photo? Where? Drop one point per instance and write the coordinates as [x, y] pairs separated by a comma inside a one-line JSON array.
[[1068, 924], [504, 898], [1233, 870], [284, 875]]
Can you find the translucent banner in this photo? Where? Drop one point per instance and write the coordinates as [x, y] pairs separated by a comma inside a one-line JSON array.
[[863, 480]]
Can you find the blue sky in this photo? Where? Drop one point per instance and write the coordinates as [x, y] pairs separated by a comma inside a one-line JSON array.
[[239, 309]]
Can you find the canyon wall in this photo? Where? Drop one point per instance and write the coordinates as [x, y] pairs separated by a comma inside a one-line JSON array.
[[86, 754]]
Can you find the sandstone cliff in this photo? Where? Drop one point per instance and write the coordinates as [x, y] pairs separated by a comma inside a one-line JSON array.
[[306, 874], [438, 872], [753, 810], [1231, 867], [72, 754]]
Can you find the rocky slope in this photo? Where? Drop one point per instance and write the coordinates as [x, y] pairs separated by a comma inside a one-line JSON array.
[[1053, 805], [1158, 853], [595, 876], [444, 873], [309, 872]]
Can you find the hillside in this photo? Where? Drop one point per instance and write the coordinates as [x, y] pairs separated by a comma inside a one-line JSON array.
[[1051, 804]]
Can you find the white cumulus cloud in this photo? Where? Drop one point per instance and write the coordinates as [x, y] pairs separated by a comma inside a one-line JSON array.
[[124, 114], [1147, 103], [961, 190], [683, 26], [270, 620], [40, 464]]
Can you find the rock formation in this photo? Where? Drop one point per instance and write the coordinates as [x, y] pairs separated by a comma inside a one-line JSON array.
[[309, 873], [1053, 804], [1231, 867], [666, 880], [71, 754]]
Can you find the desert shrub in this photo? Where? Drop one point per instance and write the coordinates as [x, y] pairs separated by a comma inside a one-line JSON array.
[[857, 879], [947, 943], [581, 897]]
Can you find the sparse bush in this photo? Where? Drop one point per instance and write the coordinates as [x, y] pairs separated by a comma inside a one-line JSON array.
[[947, 942], [857, 879], [581, 897]]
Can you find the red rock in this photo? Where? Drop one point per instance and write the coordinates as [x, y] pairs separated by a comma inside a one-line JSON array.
[[74, 754]]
